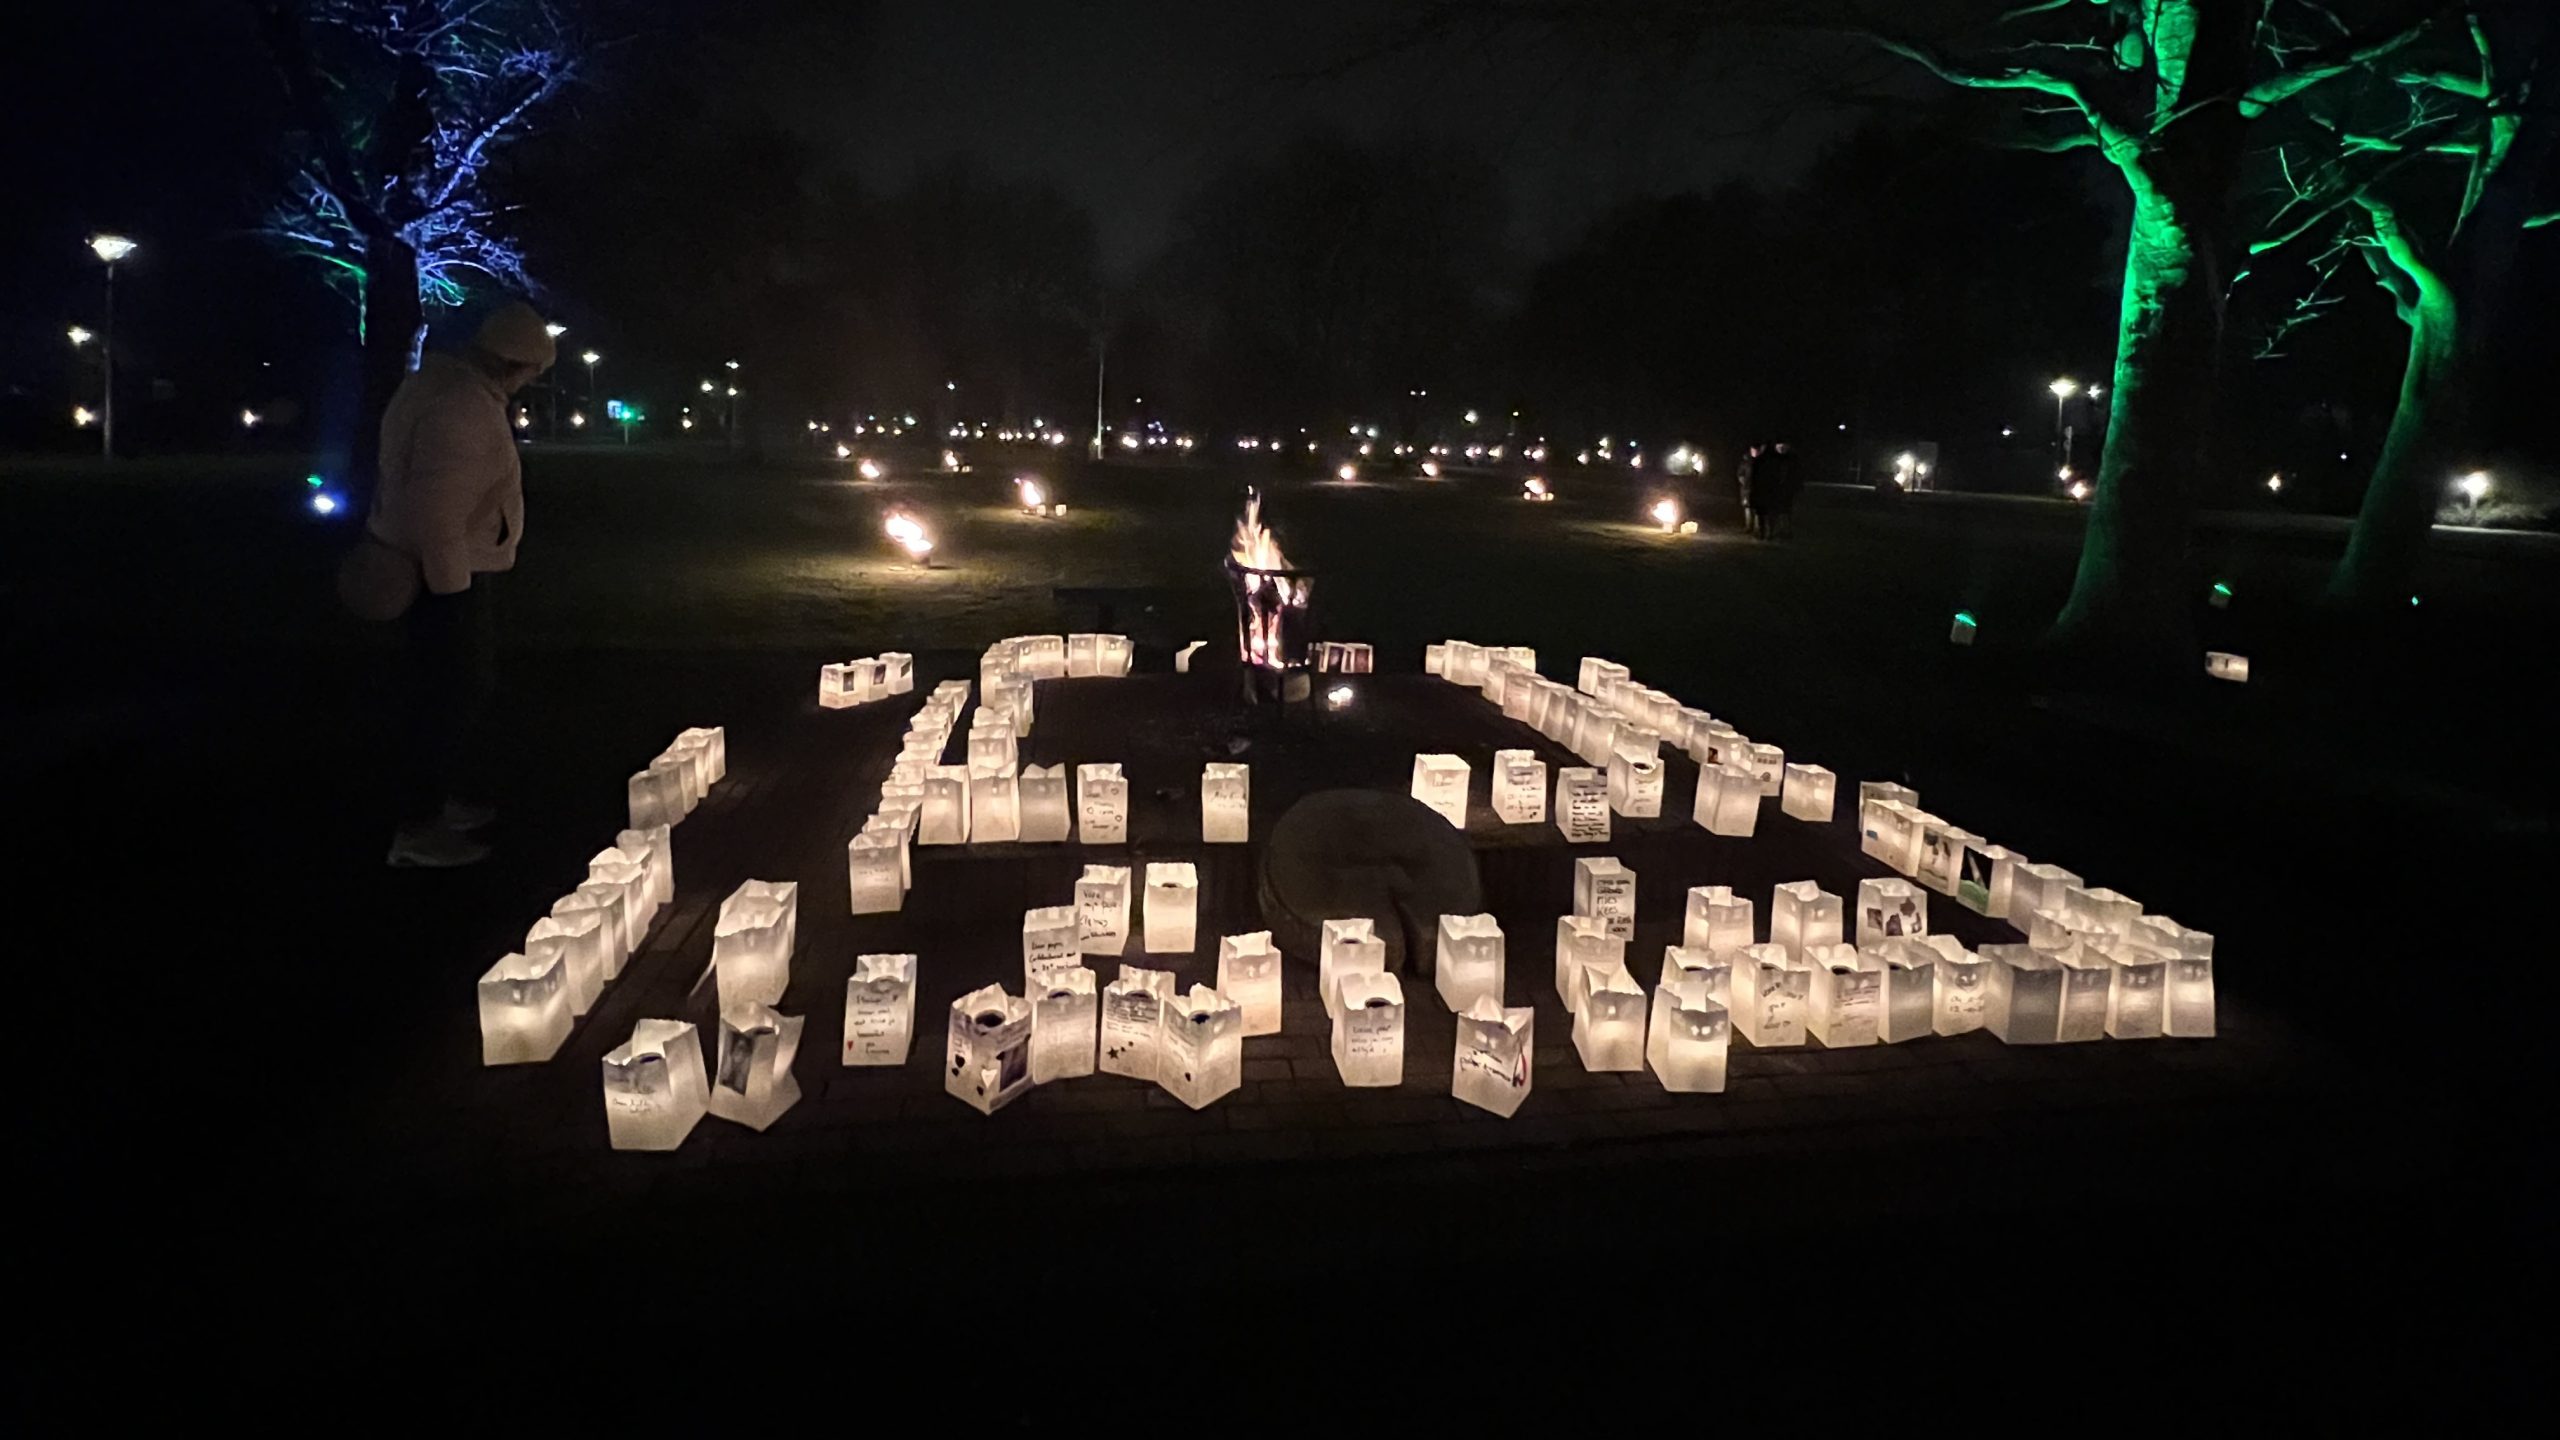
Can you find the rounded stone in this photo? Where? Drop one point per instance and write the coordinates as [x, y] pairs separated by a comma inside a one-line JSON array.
[[1348, 854]]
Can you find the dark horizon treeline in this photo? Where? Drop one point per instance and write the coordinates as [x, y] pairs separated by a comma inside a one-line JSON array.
[[1917, 283]]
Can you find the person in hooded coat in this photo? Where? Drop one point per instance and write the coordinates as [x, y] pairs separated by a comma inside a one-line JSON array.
[[451, 499]]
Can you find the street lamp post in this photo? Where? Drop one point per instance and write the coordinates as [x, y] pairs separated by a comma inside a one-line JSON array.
[[551, 384], [1101, 365], [591, 358], [110, 249], [729, 422], [2061, 389]]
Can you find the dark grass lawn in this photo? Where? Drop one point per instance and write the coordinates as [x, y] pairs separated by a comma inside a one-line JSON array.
[[161, 579], [199, 732]]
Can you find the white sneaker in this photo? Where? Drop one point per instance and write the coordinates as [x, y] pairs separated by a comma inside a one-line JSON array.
[[433, 847]]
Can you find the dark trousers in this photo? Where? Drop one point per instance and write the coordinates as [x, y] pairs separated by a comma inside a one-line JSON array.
[[452, 672]]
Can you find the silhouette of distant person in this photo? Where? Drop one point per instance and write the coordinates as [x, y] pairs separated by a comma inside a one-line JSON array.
[[1742, 475], [1774, 483]]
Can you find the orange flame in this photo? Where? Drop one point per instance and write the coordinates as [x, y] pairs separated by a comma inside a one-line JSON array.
[[1254, 547]]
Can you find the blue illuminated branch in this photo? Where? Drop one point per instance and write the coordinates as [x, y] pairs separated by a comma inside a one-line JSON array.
[[476, 72]]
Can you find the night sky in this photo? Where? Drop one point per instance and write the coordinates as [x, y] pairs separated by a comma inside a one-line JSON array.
[[160, 119]]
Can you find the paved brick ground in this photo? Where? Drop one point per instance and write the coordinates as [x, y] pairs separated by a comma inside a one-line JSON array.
[[799, 785]]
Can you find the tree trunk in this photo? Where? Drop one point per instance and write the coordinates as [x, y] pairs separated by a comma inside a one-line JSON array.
[[2130, 601], [2454, 298], [394, 326], [2390, 534]]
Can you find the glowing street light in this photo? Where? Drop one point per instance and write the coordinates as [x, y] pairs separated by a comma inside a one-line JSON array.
[[249, 419], [577, 419], [1471, 417], [2474, 486], [2275, 484], [554, 329], [869, 470], [79, 336], [2097, 390], [2063, 389], [1431, 468], [1347, 472], [83, 417]]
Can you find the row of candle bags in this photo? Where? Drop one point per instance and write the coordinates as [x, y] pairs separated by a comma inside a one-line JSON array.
[[1618, 728], [530, 999], [993, 798], [1895, 983], [2124, 973], [675, 782], [859, 682]]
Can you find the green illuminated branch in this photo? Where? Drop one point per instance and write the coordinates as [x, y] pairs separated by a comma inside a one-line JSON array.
[[2385, 145], [2117, 144], [2424, 286], [2470, 87], [2039, 8], [2360, 193], [2258, 99], [2504, 125], [2054, 144]]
